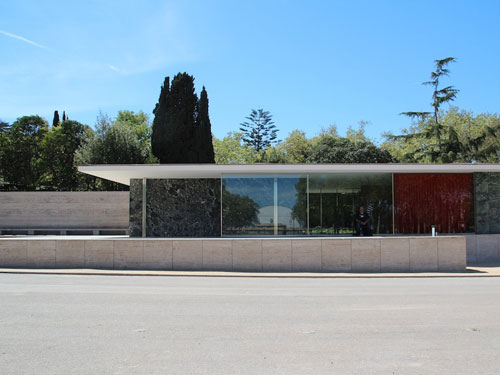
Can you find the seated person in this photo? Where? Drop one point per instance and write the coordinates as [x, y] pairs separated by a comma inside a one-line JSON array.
[[362, 222]]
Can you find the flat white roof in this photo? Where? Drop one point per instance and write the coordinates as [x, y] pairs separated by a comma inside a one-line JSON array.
[[122, 173]]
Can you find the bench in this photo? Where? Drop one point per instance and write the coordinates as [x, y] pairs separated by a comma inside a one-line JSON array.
[[64, 231]]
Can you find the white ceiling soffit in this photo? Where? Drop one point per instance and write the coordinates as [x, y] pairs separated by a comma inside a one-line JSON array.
[[123, 173]]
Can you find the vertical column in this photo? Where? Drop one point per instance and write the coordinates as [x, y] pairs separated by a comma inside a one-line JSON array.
[[307, 208], [221, 177], [393, 224], [275, 218], [320, 209], [144, 207]]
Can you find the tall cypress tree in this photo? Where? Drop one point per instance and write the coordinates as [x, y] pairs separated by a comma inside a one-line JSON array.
[[55, 121], [159, 131], [64, 116], [180, 131], [181, 120], [203, 133]]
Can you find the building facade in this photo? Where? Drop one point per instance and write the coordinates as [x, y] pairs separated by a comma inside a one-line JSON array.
[[206, 200]]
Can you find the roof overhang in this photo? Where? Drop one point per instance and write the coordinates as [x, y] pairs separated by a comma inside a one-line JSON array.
[[124, 173]]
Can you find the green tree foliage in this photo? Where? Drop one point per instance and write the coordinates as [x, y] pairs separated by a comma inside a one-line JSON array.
[[58, 155], [181, 126], [20, 161], [203, 143], [161, 129], [477, 139], [32, 156], [259, 132], [432, 139], [231, 150], [238, 211], [4, 126], [328, 149], [140, 125], [111, 143], [296, 148], [55, 120], [435, 130]]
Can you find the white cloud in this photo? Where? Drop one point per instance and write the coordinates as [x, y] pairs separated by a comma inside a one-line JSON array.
[[114, 68], [23, 39]]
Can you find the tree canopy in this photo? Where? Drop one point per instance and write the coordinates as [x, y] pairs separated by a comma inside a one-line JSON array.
[[181, 126], [259, 132], [21, 153], [55, 120], [438, 138], [475, 138], [58, 155], [326, 147], [35, 156]]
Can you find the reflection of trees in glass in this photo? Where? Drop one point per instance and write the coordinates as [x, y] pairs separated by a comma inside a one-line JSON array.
[[260, 189], [334, 199], [238, 211], [377, 198]]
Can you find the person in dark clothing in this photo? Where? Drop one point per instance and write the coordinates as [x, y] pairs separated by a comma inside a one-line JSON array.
[[362, 222]]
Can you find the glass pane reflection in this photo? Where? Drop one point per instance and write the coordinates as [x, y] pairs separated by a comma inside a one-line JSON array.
[[247, 205], [335, 198], [292, 205], [298, 204]]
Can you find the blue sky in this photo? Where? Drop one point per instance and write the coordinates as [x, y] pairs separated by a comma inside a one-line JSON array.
[[310, 63]]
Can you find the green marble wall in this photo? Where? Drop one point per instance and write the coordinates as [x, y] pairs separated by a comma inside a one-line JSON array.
[[487, 202], [135, 208], [176, 208]]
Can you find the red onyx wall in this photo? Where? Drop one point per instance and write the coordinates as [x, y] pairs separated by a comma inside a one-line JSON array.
[[423, 200]]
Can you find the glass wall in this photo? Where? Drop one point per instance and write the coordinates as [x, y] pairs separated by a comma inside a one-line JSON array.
[[304, 204], [264, 205], [335, 198]]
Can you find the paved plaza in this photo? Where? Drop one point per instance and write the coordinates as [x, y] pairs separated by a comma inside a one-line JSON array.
[[93, 324]]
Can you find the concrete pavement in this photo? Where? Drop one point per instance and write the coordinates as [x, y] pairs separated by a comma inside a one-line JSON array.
[[60, 324], [479, 271]]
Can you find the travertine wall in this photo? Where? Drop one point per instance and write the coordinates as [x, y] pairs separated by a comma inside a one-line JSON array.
[[483, 249], [402, 254], [64, 210], [487, 202]]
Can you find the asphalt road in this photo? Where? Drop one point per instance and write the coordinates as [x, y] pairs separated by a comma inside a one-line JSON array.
[[221, 325]]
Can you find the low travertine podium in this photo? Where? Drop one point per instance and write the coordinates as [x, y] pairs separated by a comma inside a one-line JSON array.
[[281, 254]]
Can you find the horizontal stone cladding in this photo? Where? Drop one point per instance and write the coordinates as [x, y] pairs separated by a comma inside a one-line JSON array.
[[347, 254], [487, 203], [176, 208], [64, 210]]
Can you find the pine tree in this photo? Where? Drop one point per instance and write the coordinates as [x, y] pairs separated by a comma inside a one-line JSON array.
[[55, 121], [4, 126], [259, 132], [435, 129], [203, 132]]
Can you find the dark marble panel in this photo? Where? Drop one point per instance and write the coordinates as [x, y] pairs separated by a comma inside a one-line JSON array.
[[135, 208], [183, 208], [487, 202]]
